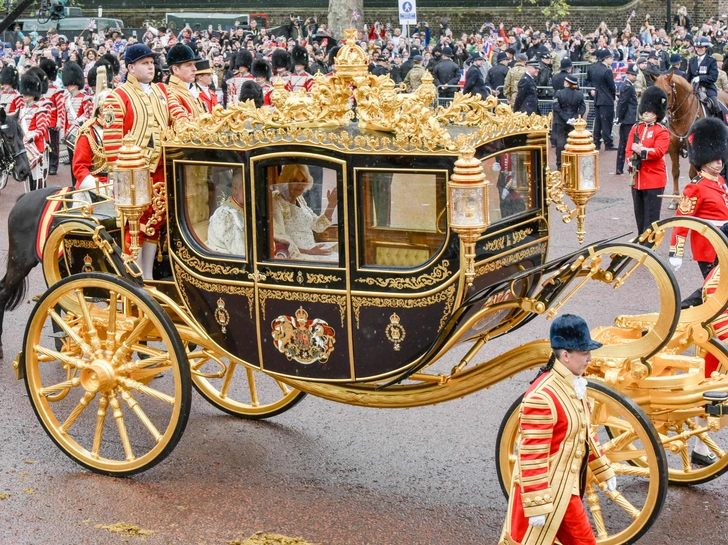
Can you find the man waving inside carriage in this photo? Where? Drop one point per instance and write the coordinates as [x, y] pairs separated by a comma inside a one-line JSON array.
[[703, 73]]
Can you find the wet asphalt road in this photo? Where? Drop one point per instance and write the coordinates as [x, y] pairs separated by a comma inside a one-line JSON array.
[[333, 474]]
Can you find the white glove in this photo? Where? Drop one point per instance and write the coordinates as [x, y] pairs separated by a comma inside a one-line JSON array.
[[570, 121], [538, 520], [676, 263], [612, 484], [695, 80], [496, 167], [504, 194]]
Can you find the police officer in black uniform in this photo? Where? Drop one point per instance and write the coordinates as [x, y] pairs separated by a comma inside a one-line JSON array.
[[557, 82], [663, 55], [675, 62], [604, 90], [626, 113], [543, 81], [527, 97], [446, 74], [703, 72], [568, 106], [496, 77], [652, 70], [474, 82]]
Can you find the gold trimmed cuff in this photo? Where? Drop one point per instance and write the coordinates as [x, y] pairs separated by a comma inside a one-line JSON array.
[[601, 469], [678, 249], [537, 503]]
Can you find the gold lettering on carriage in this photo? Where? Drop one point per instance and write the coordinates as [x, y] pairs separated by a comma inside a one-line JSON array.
[[505, 241], [303, 340]]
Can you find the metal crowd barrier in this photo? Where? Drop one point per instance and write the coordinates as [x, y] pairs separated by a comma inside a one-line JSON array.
[[545, 106]]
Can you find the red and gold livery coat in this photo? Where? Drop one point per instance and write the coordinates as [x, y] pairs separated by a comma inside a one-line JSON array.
[[705, 197], [555, 438], [89, 159], [655, 140], [208, 97], [181, 91]]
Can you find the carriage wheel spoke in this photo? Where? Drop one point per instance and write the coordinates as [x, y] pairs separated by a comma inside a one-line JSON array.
[[284, 387], [624, 469], [626, 455], [131, 384], [90, 327], [621, 501], [100, 420], [127, 345], [111, 331], [620, 442], [137, 409], [85, 400], [66, 384], [123, 434], [228, 379], [616, 423], [595, 507], [141, 374], [58, 356], [253, 387], [85, 347]]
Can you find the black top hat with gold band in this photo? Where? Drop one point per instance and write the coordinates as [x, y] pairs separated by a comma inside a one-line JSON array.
[[203, 67]]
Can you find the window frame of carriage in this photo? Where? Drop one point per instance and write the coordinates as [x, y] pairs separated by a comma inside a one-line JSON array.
[[261, 244], [183, 223], [360, 223]]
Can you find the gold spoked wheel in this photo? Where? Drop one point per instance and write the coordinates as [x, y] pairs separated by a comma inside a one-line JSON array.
[[106, 408], [237, 389], [623, 516]]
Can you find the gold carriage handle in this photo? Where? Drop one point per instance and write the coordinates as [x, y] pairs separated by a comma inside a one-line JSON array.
[[713, 306]]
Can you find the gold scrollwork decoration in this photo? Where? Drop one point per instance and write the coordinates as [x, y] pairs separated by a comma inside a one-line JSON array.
[[325, 298], [210, 287], [316, 278], [447, 296], [87, 244], [440, 273], [555, 192], [159, 208], [202, 266], [281, 276], [511, 259]]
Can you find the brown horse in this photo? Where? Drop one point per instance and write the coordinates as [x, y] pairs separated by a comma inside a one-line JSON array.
[[683, 109]]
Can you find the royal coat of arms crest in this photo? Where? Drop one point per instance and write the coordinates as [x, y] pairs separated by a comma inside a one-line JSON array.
[[303, 340]]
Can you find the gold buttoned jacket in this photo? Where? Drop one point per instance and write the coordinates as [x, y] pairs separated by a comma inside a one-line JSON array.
[[555, 441]]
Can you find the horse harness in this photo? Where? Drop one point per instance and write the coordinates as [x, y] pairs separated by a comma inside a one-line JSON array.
[[7, 161], [671, 117]]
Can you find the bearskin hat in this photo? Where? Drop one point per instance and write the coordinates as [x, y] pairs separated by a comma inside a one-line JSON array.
[[654, 100], [261, 69], [299, 55], [244, 58], [707, 141], [73, 75], [42, 76], [332, 54], [49, 67], [280, 59], [93, 73], [9, 76], [251, 91], [113, 60], [30, 85]]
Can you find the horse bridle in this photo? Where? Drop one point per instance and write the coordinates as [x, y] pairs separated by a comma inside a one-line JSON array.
[[671, 117], [8, 159]]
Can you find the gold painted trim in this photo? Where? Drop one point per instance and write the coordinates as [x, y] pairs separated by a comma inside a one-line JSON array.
[[439, 273], [374, 268], [281, 276], [281, 295], [313, 278], [515, 256], [196, 263], [76, 243], [179, 205], [219, 287]]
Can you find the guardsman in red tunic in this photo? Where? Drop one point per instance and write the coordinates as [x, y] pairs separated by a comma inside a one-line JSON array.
[[706, 196], [207, 96], [244, 60], [10, 98], [34, 118], [181, 61], [280, 62], [89, 160], [145, 110], [261, 71], [299, 78], [77, 104], [545, 501], [57, 111], [654, 141]]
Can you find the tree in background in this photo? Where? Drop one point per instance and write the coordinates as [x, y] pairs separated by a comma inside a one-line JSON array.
[[345, 14]]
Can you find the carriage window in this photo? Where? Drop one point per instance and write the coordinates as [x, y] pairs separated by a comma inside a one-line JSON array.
[[405, 223], [303, 204], [514, 190], [214, 207]]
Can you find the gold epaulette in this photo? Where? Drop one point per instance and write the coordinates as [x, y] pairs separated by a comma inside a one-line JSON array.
[[97, 148]]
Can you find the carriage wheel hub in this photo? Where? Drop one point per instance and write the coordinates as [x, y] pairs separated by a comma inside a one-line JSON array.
[[100, 376]]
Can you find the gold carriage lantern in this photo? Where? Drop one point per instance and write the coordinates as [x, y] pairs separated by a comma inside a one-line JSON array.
[[468, 197], [132, 188], [580, 172]]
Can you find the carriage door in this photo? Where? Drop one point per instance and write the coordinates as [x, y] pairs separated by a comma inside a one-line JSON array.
[[301, 262]]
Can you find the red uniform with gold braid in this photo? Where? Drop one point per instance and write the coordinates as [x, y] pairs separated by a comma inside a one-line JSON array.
[[184, 96], [147, 116], [555, 441], [89, 159], [719, 325], [79, 108], [208, 97], [705, 197], [299, 80]]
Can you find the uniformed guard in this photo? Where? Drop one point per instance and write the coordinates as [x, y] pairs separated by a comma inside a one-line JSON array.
[[706, 196], [527, 97], [545, 501], [652, 70], [57, 120], [299, 78], [145, 110], [664, 56], [641, 83], [568, 106], [241, 74], [474, 82], [251, 91], [203, 79], [496, 77], [10, 98], [557, 82], [675, 62], [34, 118], [78, 105], [513, 78], [182, 64], [602, 79], [647, 145], [262, 73], [703, 73], [280, 61], [626, 114]]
